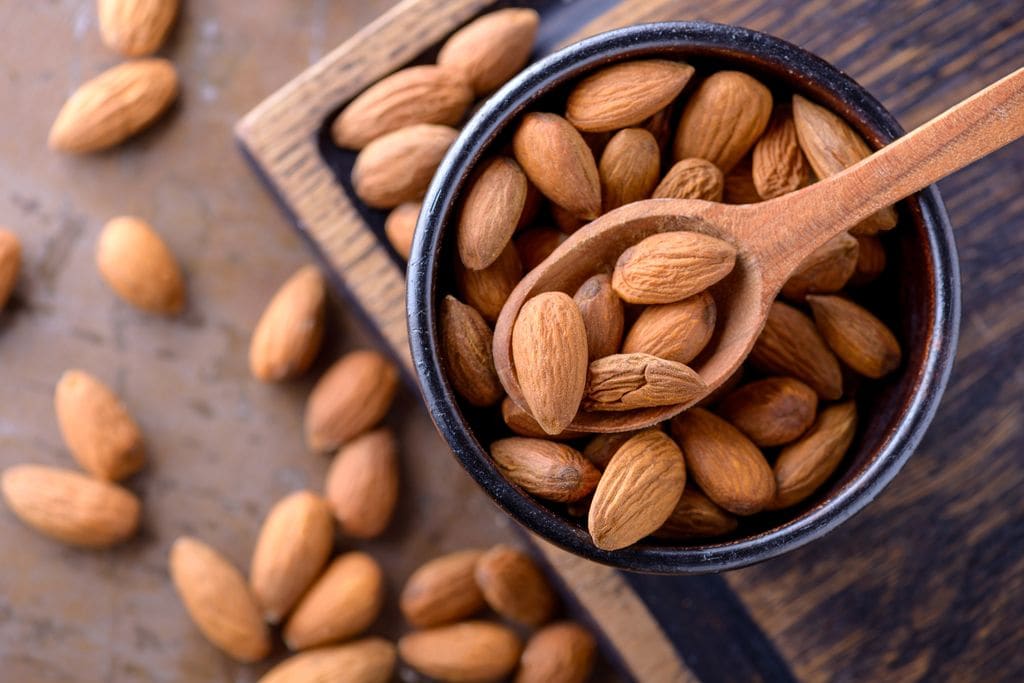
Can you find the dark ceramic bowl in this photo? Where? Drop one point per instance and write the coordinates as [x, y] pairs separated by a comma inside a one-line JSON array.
[[921, 305]]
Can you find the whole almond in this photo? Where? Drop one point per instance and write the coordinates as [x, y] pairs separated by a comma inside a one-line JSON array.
[[514, 586], [724, 463], [870, 260], [696, 516], [351, 397], [486, 290], [397, 167], [549, 351], [288, 334], [803, 466], [739, 184], [10, 264], [294, 543], [135, 27], [69, 506], [536, 244], [676, 332], [370, 660], [563, 652], [831, 146], [491, 49], [468, 355], [600, 449], [603, 315], [548, 470], [790, 345], [96, 427], [443, 590], [342, 603], [523, 424], [630, 167], [692, 179], [778, 165], [625, 94], [860, 339], [827, 269], [723, 119], [671, 266], [558, 161], [400, 227], [771, 411], [626, 381], [468, 652], [490, 212], [416, 95], [361, 487], [114, 106], [218, 600], [139, 267], [638, 490]]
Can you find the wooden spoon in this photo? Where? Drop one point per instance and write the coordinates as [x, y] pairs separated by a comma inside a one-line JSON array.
[[772, 238]]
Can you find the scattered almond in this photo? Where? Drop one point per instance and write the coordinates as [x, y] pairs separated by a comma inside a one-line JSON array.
[[671, 266], [696, 516], [400, 227], [10, 264], [771, 411], [859, 338], [827, 269], [536, 244], [468, 652], [135, 27], [288, 334], [361, 487], [676, 332], [370, 660], [692, 179], [139, 267], [778, 165], [548, 470], [630, 167], [514, 586], [626, 381], [805, 465], [443, 590], [625, 94], [563, 652], [790, 345], [602, 315], [397, 167], [558, 161], [467, 346], [486, 290], [491, 49]]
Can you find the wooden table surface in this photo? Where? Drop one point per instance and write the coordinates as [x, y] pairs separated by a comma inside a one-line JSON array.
[[926, 584]]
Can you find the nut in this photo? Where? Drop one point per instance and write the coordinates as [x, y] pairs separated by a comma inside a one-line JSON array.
[[443, 590], [397, 167], [549, 470], [558, 161], [514, 586], [362, 484], [291, 329], [671, 266], [139, 267], [625, 94]]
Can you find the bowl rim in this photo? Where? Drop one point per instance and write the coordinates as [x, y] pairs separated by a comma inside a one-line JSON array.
[[550, 73]]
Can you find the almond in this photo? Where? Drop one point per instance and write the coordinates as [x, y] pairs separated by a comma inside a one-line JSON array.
[[426, 94], [676, 332], [739, 184], [362, 484], [293, 545], [805, 465], [696, 516], [600, 449], [443, 590], [114, 106], [724, 463], [624, 94], [827, 269], [860, 339], [778, 165], [490, 212], [342, 603], [351, 397], [692, 179], [514, 586], [523, 424], [671, 266], [486, 290], [772, 411], [602, 314], [370, 660], [558, 161], [218, 600], [468, 357], [790, 345], [400, 227], [627, 381], [139, 267], [491, 49], [566, 221], [723, 119], [870, 260], [70, 507], [558, 653], [630, 167], [10, 264], [469, 652], [536, 244], [549, 352], [548, 470], [638, 490], [660, 126], [135, 27], [831, 146], [288, 334], [96, 427], [397, 167]]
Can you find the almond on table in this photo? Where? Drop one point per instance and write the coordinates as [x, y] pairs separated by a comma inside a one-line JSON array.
[[135, 28], [562, 652], [288, 335], [136, 263], [467, 651], [370, 660], [443, 590], [361, 486], [491, 211], [514, 586]]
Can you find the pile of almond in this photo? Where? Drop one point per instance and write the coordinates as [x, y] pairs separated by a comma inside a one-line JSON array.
[[624, 339]]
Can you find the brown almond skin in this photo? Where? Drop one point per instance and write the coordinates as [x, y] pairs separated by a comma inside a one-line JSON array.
[[603, 315], [671, 266], [523, 424], [600, 449], [692, 179], [566, 221], [398, 166], [549, 350], [870, 260], [724, 463], [676, 332], [625, 94], [557, 160], [491, 49], [535, 244], [467, 652], [697, 516], [370, 660], [490, 212], [790, 345], [860, 339], [69, 506], [563, 652], [135, 28], [627, 381], [514, 586], [443, 590], [803, 466], [548, 470], [638, 490], [10, 264], [351, 397], [486, 290], [288, 335], [361, 486], [136, 263], [771, 411], [400, 227], [467, 341], [827, 269], [218, 600], [342, 603], [96, 427], [778, 165], [630, 167], [739, 184]]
